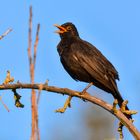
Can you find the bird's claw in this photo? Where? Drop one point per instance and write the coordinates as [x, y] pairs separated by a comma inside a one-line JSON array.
[[128, 112]]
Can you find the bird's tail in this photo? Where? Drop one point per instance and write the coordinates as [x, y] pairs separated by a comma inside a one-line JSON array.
[[120, 101]]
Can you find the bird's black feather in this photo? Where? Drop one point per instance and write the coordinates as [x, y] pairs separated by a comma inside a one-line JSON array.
[[84, 62]]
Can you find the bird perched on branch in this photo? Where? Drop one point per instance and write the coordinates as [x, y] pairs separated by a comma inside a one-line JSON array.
[[84, 62]]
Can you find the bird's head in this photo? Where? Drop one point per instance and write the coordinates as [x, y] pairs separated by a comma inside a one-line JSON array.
[[66, 30]]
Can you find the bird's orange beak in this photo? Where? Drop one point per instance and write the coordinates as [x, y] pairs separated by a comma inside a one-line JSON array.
[[61, 29]]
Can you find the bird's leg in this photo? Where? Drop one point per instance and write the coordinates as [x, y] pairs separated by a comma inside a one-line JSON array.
[[84, 91], [67, 104], [86, 88], [123, 109]]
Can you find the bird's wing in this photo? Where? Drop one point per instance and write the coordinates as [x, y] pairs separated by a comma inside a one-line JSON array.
[[92, 54], [108, 66], [95, 64]]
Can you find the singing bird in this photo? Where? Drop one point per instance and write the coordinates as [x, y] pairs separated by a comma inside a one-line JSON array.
[[84, 62]]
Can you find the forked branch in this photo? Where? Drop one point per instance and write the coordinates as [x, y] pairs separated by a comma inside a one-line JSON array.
[[87, 97]]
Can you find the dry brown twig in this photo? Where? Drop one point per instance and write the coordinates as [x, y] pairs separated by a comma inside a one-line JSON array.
[[8, 78], [39, 93], [36, 44], [5, 33], [34, 63], [33, 125], [32, 60], [87, 97], [5, 106]]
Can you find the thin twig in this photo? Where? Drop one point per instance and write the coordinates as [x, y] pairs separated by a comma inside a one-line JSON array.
[[77, 94], [30, 37], [39, 93], [5, 33], [36, 44], [33, 97], [33, 71], [5, 106], [32, 61]]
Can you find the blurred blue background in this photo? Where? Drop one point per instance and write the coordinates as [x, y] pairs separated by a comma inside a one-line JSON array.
[[112, 26]]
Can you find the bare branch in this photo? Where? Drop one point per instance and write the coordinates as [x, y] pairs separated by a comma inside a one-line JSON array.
[[30, 37], [39, 93], [5, 106], [87, 96], [5, 33], [32, 61], [31, 66], [36, 44]]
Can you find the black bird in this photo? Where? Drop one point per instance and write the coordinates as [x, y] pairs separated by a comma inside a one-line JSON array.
[[84, 62]]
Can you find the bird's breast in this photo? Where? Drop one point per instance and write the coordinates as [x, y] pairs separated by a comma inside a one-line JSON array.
[[71, 64]]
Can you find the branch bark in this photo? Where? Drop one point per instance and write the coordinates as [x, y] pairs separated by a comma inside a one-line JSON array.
[[5, 33], [73, 93], [32, 60]]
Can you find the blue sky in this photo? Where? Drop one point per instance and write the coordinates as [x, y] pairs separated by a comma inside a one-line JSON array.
[[112, 26]]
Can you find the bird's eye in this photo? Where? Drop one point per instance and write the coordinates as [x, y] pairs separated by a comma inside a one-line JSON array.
[[69, 28]]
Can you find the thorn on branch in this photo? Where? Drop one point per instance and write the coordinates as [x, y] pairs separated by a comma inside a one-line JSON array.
[[47, 81]]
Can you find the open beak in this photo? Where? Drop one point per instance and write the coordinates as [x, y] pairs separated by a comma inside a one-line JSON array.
[[61, 29]]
